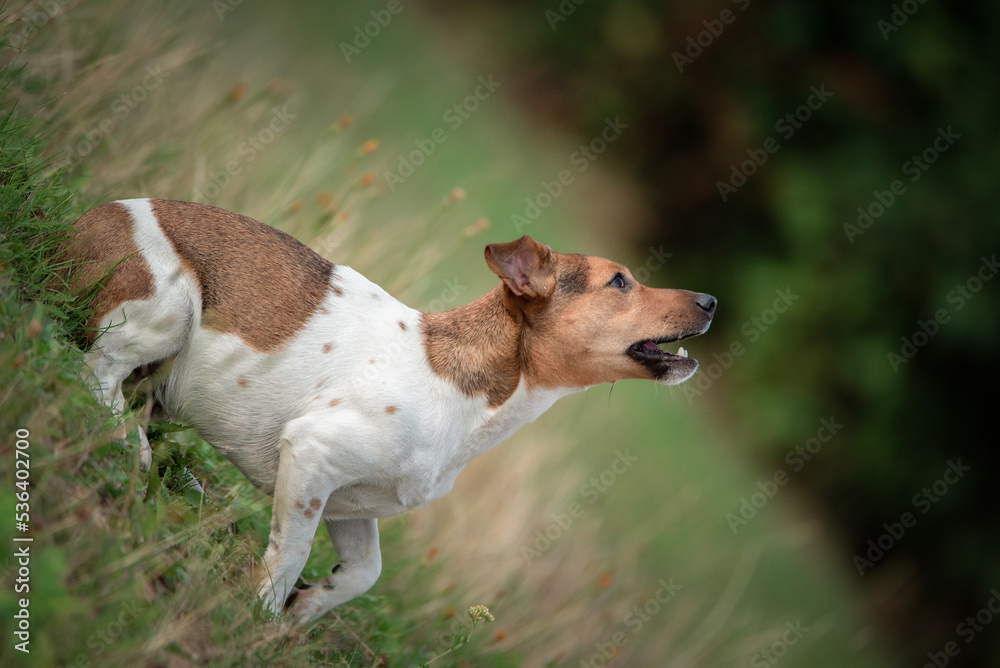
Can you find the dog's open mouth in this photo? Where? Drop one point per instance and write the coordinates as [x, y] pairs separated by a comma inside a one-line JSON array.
[[665, 366], [651, 350]]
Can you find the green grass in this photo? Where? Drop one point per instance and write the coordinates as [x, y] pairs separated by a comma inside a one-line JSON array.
[[135, 569]]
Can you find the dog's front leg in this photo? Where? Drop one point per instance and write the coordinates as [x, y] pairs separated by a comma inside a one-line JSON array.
[[301, 491], [360, 564]]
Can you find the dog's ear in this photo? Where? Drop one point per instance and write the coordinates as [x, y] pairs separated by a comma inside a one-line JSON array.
[[526, 267]]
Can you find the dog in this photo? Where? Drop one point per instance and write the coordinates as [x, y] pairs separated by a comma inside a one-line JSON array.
[[331, 395]]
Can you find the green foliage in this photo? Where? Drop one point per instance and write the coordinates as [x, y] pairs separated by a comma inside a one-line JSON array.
[[794, 223]]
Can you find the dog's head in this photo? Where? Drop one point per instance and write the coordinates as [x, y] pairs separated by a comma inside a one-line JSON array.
[[588, 321]]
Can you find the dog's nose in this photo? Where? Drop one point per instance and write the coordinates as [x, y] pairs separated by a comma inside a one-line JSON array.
[[706, 303]]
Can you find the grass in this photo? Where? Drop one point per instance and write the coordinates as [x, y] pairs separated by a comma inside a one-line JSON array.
[[134, 569]]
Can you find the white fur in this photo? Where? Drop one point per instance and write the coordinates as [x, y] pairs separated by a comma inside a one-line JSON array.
[[270, 413]]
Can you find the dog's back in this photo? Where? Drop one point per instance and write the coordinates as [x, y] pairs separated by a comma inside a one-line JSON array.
[[255, 328]]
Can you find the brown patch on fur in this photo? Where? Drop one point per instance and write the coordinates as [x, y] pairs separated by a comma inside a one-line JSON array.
[[390, 409], [475, 347], [309, 512], [327, 347], [314, 504], [243, 382], [299, 505], [402, 325], [337, 290], [321, 382], [256, 281], [334, 402], [104, 240]]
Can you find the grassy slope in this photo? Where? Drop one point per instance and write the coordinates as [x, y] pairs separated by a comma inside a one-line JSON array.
[[122, 577]]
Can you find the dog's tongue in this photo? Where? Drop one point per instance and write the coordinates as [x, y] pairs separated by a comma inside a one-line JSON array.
[[649, 345]]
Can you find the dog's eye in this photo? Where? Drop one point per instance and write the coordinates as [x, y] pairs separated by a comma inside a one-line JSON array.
[[618, 282]]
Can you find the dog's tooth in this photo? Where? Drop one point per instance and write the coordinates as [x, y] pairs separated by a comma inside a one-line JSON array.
[[681, 352]]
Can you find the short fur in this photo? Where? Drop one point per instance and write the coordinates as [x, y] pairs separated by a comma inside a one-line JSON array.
[[339, 400]]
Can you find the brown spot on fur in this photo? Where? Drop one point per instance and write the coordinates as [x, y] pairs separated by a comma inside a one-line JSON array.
[[327, 347], [299, 505], [334, 402], [314, 504], [243, 382], [104, 240], [256, 281], [337, 290], [321, 382], [309, 512], [390, 409], [402, 325]]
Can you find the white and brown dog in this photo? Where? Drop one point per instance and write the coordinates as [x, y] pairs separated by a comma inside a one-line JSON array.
[[333, 396]]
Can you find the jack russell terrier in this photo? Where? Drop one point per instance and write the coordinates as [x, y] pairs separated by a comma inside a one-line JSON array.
[[326, 392]]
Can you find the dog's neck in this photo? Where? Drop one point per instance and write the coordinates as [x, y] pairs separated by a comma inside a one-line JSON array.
[[479, 346]]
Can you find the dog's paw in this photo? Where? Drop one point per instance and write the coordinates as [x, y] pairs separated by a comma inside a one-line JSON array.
[[304, 605]]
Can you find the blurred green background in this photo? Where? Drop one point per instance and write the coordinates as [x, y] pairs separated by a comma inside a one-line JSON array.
[[825, 169]]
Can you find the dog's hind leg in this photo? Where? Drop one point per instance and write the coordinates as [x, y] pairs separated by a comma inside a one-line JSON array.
[[360, 565]]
